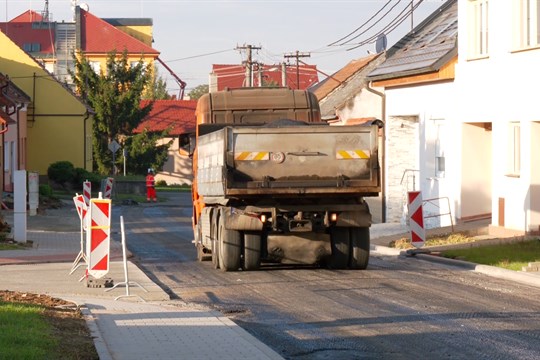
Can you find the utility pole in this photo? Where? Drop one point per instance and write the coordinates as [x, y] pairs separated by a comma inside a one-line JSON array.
[[249, 62], [297, 55]]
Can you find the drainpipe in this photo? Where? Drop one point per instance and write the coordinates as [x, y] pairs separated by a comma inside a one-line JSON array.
[[86, 116], [383, 150]]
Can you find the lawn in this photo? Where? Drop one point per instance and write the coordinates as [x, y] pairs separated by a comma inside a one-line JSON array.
[[512, 256]]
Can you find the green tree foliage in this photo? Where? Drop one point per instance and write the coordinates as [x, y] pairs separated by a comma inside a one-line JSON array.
[[144, 152], [115, 96], [158, 90], [198, 91]]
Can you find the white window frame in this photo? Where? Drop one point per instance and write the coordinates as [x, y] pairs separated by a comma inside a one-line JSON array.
[[478, 28], [526, 24], [514, 149], [96, 66]]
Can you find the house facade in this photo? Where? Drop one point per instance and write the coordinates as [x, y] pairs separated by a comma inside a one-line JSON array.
[[177, 117], [13, 111], [59, 125], [499, 47]]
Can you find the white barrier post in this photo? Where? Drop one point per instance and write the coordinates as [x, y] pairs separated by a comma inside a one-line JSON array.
[[126, 283], [33, 192], [19, 206], [82, 210]]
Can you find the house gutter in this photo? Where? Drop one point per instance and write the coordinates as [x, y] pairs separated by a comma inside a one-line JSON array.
[[86, 116], [383, 165]]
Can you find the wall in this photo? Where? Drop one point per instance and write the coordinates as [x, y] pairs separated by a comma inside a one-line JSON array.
[[177, 169], [58, 132]]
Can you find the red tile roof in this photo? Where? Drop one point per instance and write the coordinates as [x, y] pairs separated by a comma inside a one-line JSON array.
[[233, 76], [20, 31], [178, 115], [98, 36]]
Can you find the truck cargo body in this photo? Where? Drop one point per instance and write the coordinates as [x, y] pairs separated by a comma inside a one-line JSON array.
[[284, 191]]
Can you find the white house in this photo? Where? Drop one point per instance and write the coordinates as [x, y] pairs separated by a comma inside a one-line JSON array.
[[417, 79], [496, 76]]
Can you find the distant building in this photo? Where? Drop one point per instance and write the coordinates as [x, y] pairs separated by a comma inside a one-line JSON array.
[[236, 76]]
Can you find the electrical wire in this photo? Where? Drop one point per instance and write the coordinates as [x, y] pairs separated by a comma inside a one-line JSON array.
[[361, 26]]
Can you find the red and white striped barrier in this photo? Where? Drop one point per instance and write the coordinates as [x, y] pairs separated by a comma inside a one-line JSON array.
[[108, 188], [82, 209], [98, 237], [87, 192], [416, 219]]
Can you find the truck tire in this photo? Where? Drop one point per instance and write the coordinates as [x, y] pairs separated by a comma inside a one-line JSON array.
[[339, 239], [359, 248], [229, 248], [201, 256], [252, 251], [214, 239]]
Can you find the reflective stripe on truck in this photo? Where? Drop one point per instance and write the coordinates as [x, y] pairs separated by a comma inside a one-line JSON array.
[[352, 154], [252, 155]]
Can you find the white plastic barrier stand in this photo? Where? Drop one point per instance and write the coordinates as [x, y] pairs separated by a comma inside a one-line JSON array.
[[19, 206]]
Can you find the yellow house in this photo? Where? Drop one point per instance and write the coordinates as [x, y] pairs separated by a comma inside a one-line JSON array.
[[59, 125], [96, 38]]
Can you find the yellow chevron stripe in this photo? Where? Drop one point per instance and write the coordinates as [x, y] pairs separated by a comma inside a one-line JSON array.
[[352, 154], [252, 156]]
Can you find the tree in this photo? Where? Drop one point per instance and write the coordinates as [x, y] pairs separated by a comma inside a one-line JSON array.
[[115, 96], [146, 154], [198, 91], [158, 89]]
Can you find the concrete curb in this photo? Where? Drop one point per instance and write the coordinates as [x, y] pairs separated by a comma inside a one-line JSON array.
[[100, 345], [521, 277]]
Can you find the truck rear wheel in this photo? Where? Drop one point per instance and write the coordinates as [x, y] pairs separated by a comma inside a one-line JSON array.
[[229, 248], [252, 251], [339, 239], [359, 247]]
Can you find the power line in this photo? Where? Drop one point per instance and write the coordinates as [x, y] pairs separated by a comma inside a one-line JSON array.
[[201, 55], [361, 26]]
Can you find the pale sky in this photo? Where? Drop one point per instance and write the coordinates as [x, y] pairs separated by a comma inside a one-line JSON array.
[[194, 34]]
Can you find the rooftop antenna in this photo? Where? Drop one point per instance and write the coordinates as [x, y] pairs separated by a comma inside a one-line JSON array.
[[45, 13]]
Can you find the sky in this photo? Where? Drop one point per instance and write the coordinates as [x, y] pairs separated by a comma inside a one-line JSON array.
[[191, 35]]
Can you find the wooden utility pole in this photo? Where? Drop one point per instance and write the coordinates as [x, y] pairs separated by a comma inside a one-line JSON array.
[[249, 62], [297, 55]]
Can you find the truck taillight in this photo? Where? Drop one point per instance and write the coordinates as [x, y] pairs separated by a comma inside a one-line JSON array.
[[262, 217], [333, 217]]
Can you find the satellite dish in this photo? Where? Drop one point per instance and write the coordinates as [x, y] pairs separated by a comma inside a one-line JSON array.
[[380, 44], [85, 7]]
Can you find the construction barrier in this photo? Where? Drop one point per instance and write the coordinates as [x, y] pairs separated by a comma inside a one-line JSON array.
[[416, 219], [98, 237], [87, 192], [108, 188]]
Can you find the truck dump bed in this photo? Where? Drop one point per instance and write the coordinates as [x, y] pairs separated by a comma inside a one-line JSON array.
[[289, 160]]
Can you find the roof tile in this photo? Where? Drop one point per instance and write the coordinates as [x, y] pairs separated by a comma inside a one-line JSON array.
[[176, 115]]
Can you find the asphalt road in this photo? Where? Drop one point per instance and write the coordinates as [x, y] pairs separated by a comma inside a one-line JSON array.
[[399, 308]]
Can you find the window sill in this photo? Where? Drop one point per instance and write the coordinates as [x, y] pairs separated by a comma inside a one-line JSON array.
[[516, 176], [524, 49], [478, 57]]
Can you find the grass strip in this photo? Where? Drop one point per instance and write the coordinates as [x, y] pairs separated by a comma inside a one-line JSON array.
[[24, 333], [512, 256]]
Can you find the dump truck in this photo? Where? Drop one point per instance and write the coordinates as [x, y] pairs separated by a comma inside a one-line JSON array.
[[275, 184]]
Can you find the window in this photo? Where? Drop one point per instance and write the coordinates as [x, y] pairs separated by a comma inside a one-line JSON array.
[[478, 28], [514, 149], [96, 66], [526, 30], [439, 152], [31, 47]]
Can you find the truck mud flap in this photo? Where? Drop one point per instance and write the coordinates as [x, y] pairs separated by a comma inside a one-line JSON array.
[[308, 248]]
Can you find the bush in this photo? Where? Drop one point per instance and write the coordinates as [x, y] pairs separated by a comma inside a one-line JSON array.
[[45, 190], [161, 183], [81, 175], [61, 172]]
